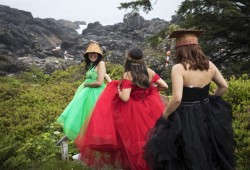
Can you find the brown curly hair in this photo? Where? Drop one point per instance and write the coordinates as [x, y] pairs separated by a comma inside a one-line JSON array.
[[192, 55]]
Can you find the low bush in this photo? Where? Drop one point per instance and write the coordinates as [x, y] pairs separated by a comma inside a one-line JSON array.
[[31, 104]]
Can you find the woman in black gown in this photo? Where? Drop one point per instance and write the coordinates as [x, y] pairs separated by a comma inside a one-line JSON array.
[[195, 131]]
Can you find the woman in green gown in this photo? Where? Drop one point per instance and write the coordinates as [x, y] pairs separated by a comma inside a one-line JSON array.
[[76, 115]]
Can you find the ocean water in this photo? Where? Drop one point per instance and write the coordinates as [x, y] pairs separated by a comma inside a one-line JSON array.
[[82, 27]]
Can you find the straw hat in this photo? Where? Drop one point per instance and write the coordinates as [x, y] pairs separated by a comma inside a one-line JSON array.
[[186, 37], [93, 47]]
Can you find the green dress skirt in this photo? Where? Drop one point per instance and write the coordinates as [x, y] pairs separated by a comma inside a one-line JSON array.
[[77, 113]]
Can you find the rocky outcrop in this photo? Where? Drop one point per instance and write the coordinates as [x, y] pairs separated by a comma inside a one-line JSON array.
[[25, 40], [119, 38], [21, 35]]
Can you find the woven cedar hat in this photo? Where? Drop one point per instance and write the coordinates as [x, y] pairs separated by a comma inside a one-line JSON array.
[[186, 37], [93, 47]]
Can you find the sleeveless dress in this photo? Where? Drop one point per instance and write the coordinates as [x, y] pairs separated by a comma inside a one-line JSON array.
[[78, 111], [116, 131], [198, 135]]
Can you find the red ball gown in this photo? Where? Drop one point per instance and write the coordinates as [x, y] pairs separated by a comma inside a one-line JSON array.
[[116, 132]]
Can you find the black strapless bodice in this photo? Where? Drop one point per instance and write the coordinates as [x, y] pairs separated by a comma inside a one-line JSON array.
[[195, 94]]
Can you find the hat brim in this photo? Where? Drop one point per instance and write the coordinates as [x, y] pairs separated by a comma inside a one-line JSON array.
[[86, 54], [93, 48], [178, 33]]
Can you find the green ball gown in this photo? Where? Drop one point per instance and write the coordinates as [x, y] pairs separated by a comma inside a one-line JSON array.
[[76, 115]]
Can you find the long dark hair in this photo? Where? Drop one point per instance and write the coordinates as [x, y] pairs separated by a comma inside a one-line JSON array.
[[89, 64], [137, 66], [192, 55]]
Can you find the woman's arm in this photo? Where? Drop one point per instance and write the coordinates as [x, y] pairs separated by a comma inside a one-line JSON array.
[[124, 93], [107, 77], [161, 85], [177, 89], [219, 81], [101, 71]]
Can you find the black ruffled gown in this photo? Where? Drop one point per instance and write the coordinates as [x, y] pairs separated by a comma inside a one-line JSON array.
[[197, 136]]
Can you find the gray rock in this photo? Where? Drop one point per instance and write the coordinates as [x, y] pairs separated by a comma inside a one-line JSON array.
[[21, 35]]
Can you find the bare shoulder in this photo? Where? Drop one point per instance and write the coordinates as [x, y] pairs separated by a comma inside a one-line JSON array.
[[212, 66], [101, 63], [150, 71], [178, 67], [127, 75], [100, 66]]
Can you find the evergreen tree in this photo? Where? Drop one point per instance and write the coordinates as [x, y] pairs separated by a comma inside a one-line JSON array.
[[137, 5], [227, 26]]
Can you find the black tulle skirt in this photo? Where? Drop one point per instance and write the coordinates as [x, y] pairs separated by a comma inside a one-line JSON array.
[[195, 137]]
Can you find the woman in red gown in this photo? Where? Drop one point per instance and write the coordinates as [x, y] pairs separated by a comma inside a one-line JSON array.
[[124, 113]]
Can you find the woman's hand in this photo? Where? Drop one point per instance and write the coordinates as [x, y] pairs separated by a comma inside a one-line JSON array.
[[164, 116], [119, 88]]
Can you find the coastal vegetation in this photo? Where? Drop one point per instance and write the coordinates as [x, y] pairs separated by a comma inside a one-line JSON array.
[[30, 103], [32, 100]]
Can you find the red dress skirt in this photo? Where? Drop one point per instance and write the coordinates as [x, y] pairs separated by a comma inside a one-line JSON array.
[[116, 132]]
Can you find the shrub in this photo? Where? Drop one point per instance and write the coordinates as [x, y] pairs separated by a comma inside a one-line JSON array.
[[238, 95], [29, 109]]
